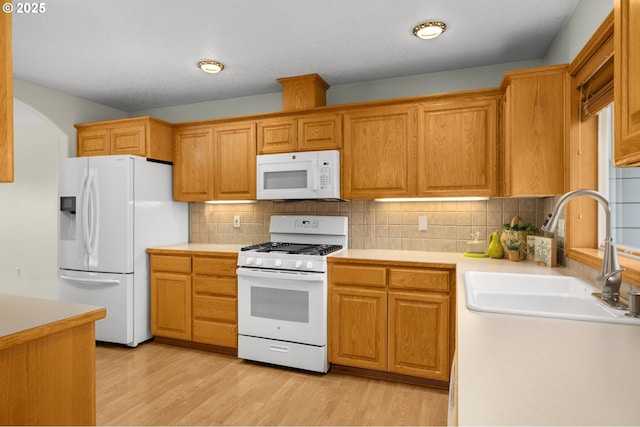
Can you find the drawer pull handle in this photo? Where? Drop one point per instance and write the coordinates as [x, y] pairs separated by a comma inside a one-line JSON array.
[[279, 348]]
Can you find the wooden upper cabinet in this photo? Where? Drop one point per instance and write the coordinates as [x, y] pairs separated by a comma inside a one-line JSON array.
[[310, 132], [320, 131], [129, 139], [457, 148], [142, 136], [277, 135], [234, 161], [94, 141], [627, 84], [215, 162], [193, 166], [6, 100], [535, 131], [378, 153]]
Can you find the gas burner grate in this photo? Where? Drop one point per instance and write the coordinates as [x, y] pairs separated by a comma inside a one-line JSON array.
[[293, 248]]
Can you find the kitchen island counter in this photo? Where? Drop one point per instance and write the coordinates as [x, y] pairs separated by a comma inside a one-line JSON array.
[[519, 370], [47, 362]]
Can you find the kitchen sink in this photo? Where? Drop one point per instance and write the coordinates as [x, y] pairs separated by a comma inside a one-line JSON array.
[[562, 297]]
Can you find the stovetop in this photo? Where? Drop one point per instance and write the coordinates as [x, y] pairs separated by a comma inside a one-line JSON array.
[[293, 248]]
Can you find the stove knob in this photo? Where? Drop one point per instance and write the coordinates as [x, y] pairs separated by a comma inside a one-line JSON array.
[[309, 264], [259, 261], [249, 261], [278, 263], [298, 264]]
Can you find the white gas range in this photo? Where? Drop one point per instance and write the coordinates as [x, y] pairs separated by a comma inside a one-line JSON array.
[[283, 292]]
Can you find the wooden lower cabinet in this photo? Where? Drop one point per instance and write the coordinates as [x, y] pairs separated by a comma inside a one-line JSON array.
[[418, 335], [395, 317], [194, 297], [359, 332], [215, 301], [170, 296]]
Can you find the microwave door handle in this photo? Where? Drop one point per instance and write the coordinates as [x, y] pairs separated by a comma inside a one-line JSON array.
[[316, 176]]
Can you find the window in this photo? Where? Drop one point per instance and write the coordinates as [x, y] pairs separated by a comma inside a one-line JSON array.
[[622, 188]]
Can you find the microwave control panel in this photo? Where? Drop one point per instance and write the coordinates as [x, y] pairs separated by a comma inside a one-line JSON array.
[[329, 173]]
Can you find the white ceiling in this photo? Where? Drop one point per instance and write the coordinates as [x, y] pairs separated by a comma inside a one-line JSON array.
[[140, 54]]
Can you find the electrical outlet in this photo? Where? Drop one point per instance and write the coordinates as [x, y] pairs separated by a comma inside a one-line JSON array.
[[236, 221], [422, 223], [561, 228]]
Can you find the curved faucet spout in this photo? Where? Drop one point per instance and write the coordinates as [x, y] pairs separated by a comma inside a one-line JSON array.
[[610, 276]]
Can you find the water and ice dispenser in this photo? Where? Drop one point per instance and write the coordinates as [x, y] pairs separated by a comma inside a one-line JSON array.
[[68, 218]]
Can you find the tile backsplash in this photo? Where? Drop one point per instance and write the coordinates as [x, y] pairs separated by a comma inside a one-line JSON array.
[[373, 225]]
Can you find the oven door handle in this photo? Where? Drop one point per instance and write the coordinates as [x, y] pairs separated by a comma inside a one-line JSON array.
[[280, 275]]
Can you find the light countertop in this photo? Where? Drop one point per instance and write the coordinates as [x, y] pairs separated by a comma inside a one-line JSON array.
[[24, 319], [194, 248], [518, 370]]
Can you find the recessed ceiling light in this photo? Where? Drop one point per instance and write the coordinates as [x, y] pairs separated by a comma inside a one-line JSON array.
[[429, 30], [210, 66]]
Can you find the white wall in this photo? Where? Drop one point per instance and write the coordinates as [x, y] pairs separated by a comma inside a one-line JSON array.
[[63, 110], [43, 133], [424, 84], [578, 29], [27, 213]]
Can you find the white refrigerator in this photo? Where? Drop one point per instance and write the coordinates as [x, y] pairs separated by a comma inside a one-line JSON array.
[[112, 208]]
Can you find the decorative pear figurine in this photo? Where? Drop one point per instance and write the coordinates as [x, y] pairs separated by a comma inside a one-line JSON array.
[[495, 247]]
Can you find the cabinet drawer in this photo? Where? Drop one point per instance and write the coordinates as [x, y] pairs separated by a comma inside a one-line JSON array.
[[215, 308], [423, 279], [222, 334], [208, 285], [215, 266], [177, 264], [358, 275]]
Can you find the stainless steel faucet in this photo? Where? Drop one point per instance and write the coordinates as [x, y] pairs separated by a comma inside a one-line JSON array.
[[610, 276]]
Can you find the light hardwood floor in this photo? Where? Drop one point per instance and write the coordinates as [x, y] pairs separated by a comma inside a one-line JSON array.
[[156, 384]]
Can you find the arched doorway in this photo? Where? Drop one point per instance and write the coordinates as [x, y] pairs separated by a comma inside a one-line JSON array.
[[28, 207]]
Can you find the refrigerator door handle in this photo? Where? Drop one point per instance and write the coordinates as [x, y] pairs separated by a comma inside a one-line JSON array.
[[85, 211], [94, 281], [95, 214]]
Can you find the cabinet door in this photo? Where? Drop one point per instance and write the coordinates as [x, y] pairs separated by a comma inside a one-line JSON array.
[[319, 132], [93, 142], [277, 136], [193, 166], [419, 335], [170, 296], [536, 126], [359, 328], [379, 153], [234, 161], [130, 139], [627, 85], [457, 147], [6, 100]]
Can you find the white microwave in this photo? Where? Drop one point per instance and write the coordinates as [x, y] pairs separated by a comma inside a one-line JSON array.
[[299, 176]]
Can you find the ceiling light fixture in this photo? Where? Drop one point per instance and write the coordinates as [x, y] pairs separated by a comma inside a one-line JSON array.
[[429, 30], [210, 66]]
